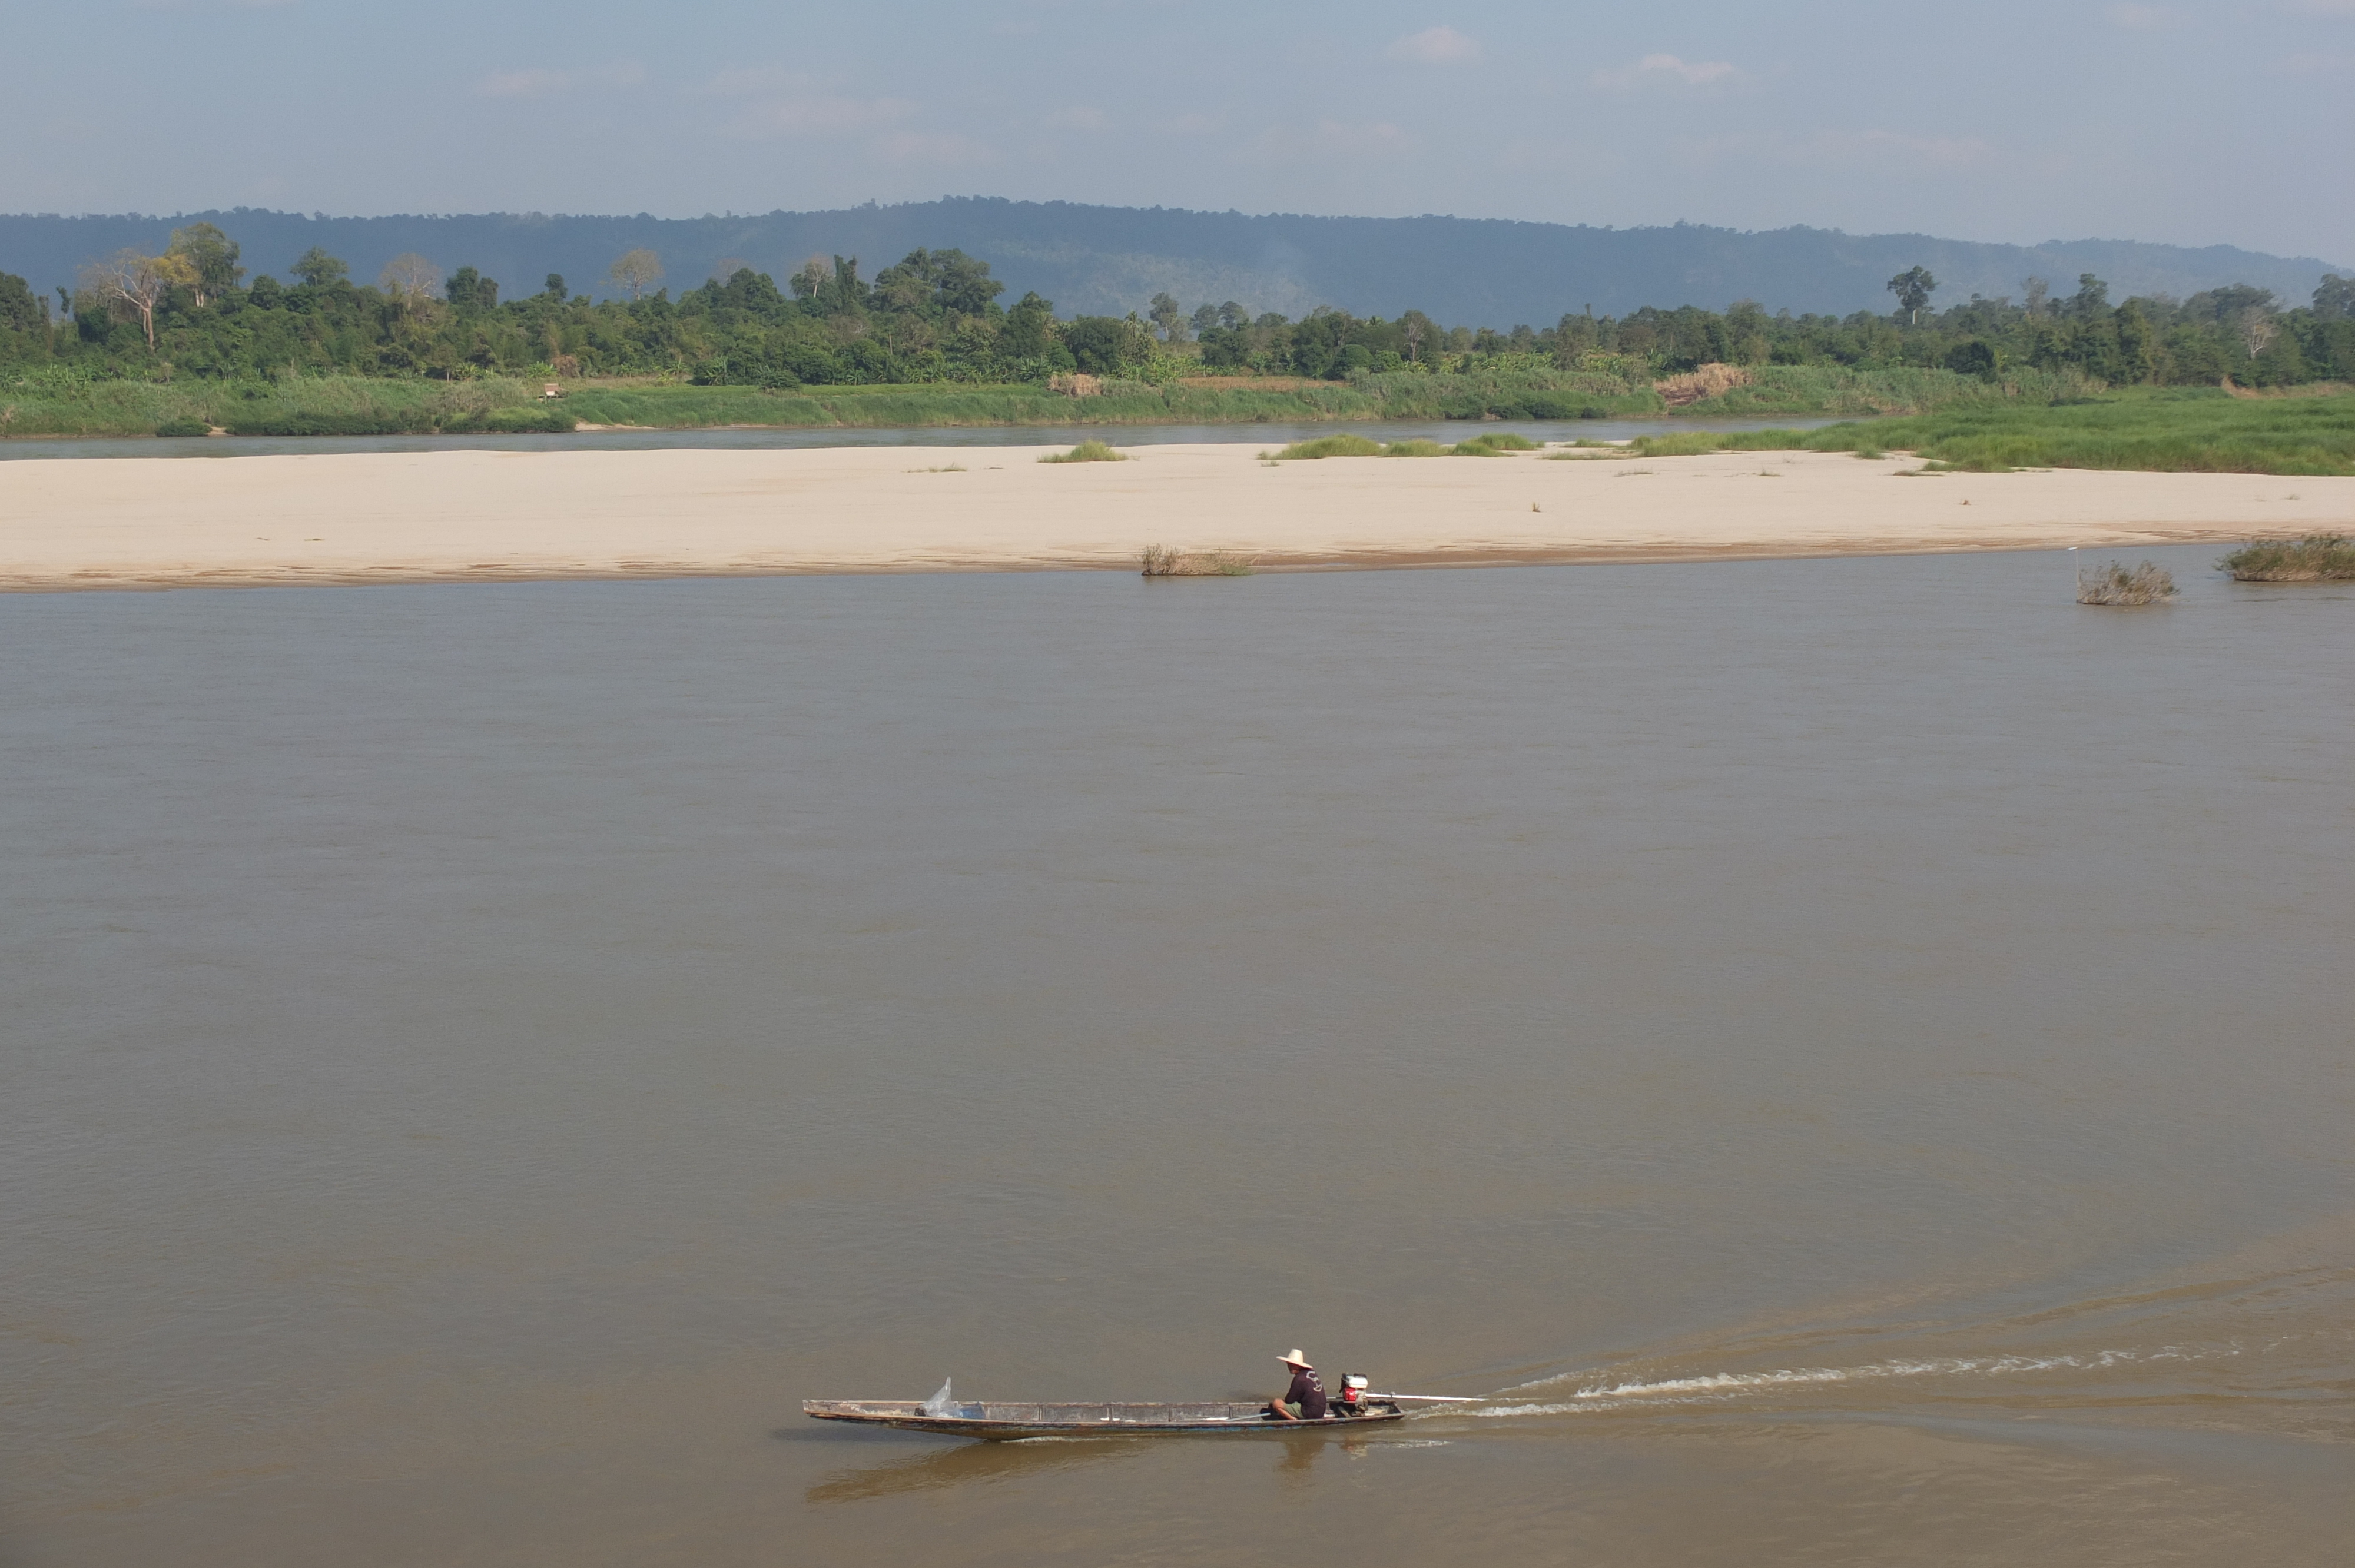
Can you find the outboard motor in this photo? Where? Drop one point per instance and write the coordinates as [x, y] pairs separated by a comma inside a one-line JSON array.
[[1353, 1393]]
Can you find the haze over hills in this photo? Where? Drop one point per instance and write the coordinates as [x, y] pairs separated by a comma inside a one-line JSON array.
[[1106, 260]]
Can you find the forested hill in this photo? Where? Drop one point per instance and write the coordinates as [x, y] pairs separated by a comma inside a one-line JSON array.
[[1110, 260]]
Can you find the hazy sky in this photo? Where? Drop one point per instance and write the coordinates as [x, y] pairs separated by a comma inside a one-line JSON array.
[[2196, 121]]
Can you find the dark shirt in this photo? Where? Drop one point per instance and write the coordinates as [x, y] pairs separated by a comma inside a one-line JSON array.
[[1307, 1390]]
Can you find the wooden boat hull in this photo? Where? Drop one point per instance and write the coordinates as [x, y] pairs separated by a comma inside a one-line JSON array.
[[1002, 1421]]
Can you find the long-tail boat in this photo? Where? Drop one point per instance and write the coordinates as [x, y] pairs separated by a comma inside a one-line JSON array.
[[1000, 1422]]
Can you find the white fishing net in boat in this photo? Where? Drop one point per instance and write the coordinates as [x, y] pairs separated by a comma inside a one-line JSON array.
[[941, 1403]]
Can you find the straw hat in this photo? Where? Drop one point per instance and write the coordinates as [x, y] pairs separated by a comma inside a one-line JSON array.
[[1295, 1359]]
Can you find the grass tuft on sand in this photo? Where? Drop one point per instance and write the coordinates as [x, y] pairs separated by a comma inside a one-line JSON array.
[[1346, 445], [2125, 588], [1342, 445], [1495, 442], [2316, 559], [1087, 452]]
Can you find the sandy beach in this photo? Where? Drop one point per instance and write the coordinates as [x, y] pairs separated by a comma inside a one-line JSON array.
[[108, 523]]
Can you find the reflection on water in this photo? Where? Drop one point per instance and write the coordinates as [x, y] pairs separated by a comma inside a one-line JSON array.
[[1301, 1454], [951, 1465], [1854, 1054], [957, 1465]]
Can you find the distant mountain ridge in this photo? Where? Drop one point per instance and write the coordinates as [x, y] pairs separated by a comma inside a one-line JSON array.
[[1105, 259]]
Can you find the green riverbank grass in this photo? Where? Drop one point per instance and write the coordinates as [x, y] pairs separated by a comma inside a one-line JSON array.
[[50, 404], [56, 402], [676, 406], [54, 405], [2173, 431], [1821, 389], [1957, 422]]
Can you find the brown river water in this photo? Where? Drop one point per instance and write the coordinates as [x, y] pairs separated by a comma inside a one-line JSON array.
[[1854, 1057]]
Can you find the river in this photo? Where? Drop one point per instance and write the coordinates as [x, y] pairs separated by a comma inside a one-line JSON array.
[[1852, 1057], [773, 438]]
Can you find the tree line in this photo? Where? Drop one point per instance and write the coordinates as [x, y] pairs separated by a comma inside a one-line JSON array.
[[936, 316], [2237, 332]]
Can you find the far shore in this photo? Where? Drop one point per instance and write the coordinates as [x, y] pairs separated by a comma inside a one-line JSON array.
[[472, 515]]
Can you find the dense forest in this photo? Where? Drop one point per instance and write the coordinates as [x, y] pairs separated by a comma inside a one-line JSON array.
[[935, 316]]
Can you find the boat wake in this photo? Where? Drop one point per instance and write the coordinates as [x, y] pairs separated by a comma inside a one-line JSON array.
[[2246, 1342], [1713, 1386]]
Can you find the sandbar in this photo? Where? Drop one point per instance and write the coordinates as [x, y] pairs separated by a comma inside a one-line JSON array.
[[457, 516]]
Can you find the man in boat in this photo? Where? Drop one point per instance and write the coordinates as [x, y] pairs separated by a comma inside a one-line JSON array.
[[1305, 1400]]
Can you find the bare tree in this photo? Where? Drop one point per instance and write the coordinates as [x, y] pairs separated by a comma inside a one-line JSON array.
[[636, 270], [815, 274], [133, 282], [1415, 330], [2257, 329], [410, 278], [2035, 292]]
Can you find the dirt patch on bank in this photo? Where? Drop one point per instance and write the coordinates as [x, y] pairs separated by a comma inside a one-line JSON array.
[[1709, 380]]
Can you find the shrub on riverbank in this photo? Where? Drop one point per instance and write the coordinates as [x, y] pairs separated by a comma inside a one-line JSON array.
[[1161, 561], [2318, 558]]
